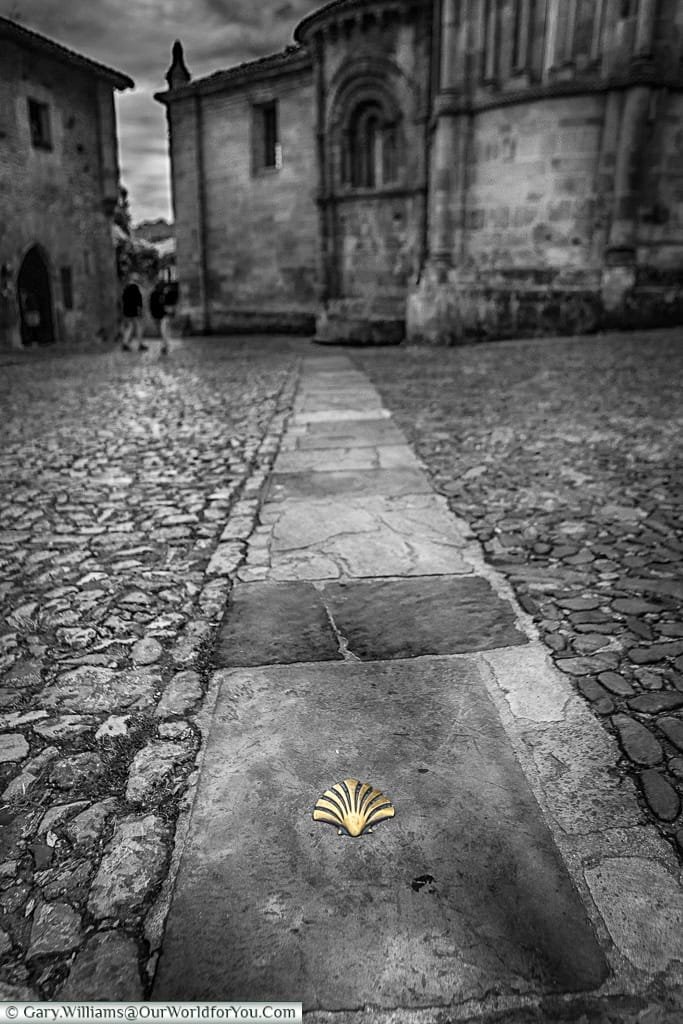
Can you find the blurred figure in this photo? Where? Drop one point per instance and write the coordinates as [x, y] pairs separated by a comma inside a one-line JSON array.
[[131, 307], [162, 303]]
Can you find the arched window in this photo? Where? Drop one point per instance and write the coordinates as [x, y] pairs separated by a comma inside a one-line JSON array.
[[371, 148]]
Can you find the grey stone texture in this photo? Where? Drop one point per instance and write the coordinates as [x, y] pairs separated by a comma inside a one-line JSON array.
[[113, 515], [382, 619], [458, 854], [601, 477], [107, 964], [181, 694], [275, 623], [154, 769], [130, 870], [56, 928]]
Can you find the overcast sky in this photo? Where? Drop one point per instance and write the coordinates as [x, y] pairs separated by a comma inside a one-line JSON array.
[[136, 37]]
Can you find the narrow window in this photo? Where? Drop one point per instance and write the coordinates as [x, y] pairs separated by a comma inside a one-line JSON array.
[[268, 152], [67, 287], [39, 122]]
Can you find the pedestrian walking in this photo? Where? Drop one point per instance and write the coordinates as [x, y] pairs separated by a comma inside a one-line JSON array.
[[162, 303], [131, 307]]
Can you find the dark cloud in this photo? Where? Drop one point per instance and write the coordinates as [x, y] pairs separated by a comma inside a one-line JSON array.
[[136, 38]]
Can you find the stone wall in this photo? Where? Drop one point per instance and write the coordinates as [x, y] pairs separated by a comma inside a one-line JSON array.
[[54, 198], [562, 212], [246, 235], [374, 235], [537, 184]]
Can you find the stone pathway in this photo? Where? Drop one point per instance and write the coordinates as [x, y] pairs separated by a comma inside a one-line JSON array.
[[565, 459], [129, 488], [367, 637]]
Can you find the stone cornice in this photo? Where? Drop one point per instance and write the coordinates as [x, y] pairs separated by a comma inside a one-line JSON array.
[[341, 11], [364, 194], [451, 104]]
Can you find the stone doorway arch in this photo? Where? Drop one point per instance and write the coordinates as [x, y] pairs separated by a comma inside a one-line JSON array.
[[35, 299]]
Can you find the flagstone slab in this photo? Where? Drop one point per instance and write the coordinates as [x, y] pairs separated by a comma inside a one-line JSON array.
[[382, 619], [275, 623], [343, 434], [331, 459], [387, 482], [339, 415], [462, 893], [410, 535], [357, 397]]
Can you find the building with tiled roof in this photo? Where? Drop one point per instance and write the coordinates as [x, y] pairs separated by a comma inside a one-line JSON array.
[[439, 171], [59, 185]]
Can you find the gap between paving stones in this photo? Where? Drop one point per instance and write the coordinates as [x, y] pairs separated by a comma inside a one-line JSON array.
[[109, 961]]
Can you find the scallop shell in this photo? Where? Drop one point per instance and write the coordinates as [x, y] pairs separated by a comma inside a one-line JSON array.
[[353, 807]]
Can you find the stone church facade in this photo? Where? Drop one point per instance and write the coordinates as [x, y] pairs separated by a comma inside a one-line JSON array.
[[438, 170]]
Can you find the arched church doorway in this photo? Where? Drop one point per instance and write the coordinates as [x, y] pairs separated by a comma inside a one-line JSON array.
[[35, 299]]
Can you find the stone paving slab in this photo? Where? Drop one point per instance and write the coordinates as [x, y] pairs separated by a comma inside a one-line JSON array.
[[339, 416], [281, 623], [407, 618], [389, 483], [463, 891], [347, 433], [278, 623], [411, 535], [352, 458]]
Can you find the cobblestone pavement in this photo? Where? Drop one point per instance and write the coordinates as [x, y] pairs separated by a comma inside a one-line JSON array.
[[565, 458], [129, 485]]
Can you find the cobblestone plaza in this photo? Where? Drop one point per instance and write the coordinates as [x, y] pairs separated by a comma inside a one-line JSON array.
[[203, 541]]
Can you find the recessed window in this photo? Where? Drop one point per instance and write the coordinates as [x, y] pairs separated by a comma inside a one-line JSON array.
[[39, 123], [267, 148], [371, 142], [67, 287]]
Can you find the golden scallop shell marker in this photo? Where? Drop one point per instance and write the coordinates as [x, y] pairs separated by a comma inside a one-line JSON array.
[[353, 806]]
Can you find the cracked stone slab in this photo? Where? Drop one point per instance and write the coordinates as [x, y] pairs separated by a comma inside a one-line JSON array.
[[275, 623], [389, 483], [562, 744], [462, 891], [411, 535], [386, 619], [345, 459]]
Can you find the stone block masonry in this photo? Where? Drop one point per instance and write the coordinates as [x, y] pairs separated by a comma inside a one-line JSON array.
[[58, 186], [480, 170], [246, 232]]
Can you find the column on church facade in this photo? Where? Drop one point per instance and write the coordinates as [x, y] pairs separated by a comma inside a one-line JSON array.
[[620, 255], [444, 170]]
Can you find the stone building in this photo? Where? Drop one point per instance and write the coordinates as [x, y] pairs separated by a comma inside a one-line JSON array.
[[59, 183], [443, 169]]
